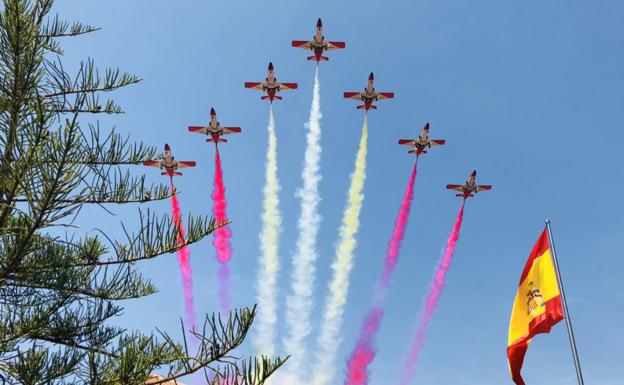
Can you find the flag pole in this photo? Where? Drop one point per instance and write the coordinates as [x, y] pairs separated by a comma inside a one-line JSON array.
[[577, 365]]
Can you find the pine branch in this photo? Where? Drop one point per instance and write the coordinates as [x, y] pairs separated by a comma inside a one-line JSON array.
[[87, 80], [157, 236], [114, 149], [60, 28]]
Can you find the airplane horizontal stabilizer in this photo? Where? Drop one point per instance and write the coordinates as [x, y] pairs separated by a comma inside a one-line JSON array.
[[219, 140]]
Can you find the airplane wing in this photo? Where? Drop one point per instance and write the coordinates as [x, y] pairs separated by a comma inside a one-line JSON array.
[[152, 163], [353, 95], [254, 85], [231, 130], [385, 95], [438, 142], [407, 142], [305, 44], [335, 45], [288, 86], [456, 187], [182, 164], [200, 129], [484, 187]]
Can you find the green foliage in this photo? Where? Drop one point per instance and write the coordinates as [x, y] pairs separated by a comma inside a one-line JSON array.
[[58, 293]]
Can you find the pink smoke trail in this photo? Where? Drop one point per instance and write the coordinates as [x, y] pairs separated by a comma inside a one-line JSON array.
[[431, 302], [222, 236], [364, 352], [183, 260]]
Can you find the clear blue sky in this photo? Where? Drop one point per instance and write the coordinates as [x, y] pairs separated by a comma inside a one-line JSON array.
[[529, 93]]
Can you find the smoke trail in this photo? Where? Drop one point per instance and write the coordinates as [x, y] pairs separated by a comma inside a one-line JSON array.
[[431, 301], [363, 354], [183, 260], [299, 302], [222, 236], [264, 340], [339, 285]]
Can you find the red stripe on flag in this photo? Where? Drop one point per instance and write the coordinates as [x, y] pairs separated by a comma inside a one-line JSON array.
[[540, 324], [539, 249]]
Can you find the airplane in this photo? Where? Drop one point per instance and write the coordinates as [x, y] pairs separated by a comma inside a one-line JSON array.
[[468, 189], [369, 95], [422, 142], [169, 164], [215, 129], [318, 44], [271, 86]]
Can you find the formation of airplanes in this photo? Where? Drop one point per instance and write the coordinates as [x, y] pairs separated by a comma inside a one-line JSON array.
[[271, 87]]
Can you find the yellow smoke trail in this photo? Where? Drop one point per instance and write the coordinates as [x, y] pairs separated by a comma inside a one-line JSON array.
[[264, 339], [338, 288]]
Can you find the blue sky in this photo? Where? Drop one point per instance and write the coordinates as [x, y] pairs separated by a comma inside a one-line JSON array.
[[528, 93]]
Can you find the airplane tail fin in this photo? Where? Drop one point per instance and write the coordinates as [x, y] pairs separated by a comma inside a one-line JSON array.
[[218, 140], [363, 107], [267, 97], [322, 58]]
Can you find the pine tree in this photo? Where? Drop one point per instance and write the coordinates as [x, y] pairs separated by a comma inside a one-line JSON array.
[[58, 293]]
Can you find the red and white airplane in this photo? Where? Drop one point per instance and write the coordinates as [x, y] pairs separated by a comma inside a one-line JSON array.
[[422, 142], [369, 95], [215, 129], [169, 164], [318, 44], [271, 86], [468, 189]]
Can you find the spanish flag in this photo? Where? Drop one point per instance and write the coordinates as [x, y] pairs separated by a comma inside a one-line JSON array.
[[537, 306]]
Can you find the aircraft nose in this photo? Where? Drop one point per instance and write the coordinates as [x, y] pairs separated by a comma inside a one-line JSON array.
[[270, 66], [427, 126], [474, 173], [371, 76], [319, 23], [167, 147], [212, 112]]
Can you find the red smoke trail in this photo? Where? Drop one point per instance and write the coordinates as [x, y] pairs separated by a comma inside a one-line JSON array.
[[222, 236], [183, 260], [364, 352], [431, 302]]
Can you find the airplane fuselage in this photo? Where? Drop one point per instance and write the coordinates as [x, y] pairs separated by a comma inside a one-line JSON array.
[[369, 95], [214, 127]]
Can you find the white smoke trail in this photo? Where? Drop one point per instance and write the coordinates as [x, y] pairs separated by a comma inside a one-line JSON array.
[[264, 339], [299, 302], [328, 342]]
